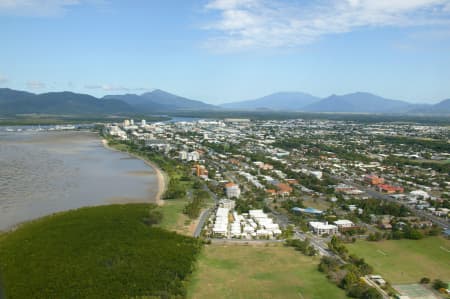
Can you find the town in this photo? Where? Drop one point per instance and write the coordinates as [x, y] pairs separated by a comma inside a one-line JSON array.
[[315, 181]]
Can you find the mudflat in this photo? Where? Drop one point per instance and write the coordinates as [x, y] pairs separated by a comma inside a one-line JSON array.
[[46, 172]]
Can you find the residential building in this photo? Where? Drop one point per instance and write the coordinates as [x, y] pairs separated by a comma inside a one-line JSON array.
[[232, 190]]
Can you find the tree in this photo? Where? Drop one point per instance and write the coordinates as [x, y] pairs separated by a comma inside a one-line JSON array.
[[424, 280], [371, 293], [328, 263], [439, 284], [350, 279], [377, 236], [357, 290]]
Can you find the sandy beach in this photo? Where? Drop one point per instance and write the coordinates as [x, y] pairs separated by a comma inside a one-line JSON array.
[[161, 175]]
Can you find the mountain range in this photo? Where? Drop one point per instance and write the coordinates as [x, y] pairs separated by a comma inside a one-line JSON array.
[[21, 102], [358, 102], [276, 101], [159, 101]]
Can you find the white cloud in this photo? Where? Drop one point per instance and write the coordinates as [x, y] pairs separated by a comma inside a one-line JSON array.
[[109, 88], [246, 24], [41, 8], [3, 80], [33, 84]]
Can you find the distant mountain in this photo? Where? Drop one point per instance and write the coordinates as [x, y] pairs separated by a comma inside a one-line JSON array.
[[20, 102], [442, 107], [359, 102], [160, 101], [277, 101]]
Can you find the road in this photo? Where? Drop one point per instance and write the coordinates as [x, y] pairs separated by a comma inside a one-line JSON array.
[[319, 245], [376, 286], [201, 222], [205, 214], [213, 195], [280, 218]]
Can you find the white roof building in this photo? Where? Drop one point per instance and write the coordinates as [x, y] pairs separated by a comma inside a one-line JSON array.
[[344, 223], [183, 155], [221, 222], [193, 156], [227, 203], [419, 194], [321, 228]]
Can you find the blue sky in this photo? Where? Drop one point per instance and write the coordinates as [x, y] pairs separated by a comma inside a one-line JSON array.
[[228, 50]]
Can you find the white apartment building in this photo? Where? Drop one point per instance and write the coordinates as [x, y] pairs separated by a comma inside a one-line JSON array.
[[321, 228]]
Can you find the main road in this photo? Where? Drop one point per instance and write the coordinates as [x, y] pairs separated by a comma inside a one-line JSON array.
[[205, 214]]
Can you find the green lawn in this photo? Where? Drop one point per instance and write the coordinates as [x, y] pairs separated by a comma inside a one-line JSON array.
[[236, 271], [317, 204], [173, 218], [406, 261], [97, 252]]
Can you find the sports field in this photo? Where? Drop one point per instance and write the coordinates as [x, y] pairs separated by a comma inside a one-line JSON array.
[[238, 271], [415, 291], [407, 261]]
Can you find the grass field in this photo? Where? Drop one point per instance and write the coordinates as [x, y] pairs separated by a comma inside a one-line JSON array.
[[319, 204], [237, 271], [174, 219], [407, 261], [97, 252]]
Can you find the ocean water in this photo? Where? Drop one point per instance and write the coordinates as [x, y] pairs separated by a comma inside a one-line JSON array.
[[46, 172]]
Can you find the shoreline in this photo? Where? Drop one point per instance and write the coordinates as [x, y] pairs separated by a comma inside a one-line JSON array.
[[160, 174]]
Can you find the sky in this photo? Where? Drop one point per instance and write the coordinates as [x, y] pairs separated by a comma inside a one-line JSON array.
[[228, 50]]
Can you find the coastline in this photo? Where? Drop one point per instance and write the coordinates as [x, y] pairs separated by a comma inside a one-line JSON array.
[[160, 174]]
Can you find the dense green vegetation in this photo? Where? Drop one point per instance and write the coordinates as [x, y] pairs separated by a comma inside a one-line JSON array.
[[100, 252], [433, 144], [347, 276], [321, 148], [372, 206], [439, 166], [302, 246], [194, 206], [439, 284]]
